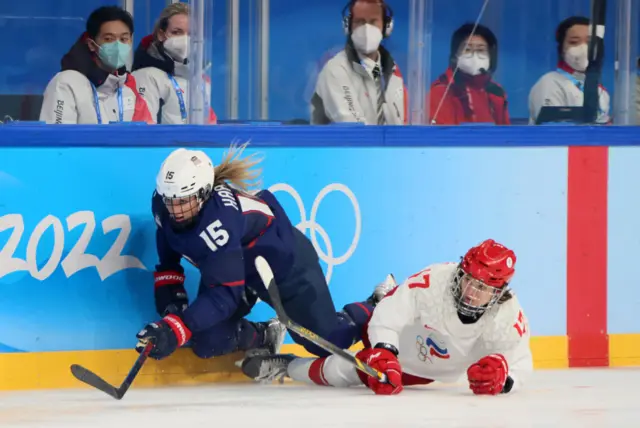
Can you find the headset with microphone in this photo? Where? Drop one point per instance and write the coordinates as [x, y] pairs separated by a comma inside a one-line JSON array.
[[387, 27]]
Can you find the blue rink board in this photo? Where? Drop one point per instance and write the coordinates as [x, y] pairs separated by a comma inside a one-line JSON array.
[[414, 206], [141, 135]]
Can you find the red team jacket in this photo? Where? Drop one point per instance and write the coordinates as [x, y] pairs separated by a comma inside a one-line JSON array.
[[470, 99]]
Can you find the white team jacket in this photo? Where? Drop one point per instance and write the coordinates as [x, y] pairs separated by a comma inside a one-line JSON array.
[[346, 91], [69, 99], [156, 88], [557, 89], [421, 321], [151, 65]]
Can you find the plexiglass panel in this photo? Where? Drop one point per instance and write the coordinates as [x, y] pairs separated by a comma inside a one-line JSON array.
[[302, 62], [528, 67], [38, 33]]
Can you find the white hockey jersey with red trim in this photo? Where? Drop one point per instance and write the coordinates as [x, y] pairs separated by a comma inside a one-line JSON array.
[[420, 319]]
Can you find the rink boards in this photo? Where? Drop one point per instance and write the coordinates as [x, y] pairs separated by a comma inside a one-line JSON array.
[[77, 248]]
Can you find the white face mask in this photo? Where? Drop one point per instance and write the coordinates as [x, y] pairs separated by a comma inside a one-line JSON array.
[[366, 38], [473, 65], [177, 47], [577, 57]]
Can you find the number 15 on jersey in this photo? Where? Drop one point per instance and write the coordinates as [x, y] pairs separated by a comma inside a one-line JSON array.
[[215, 236]]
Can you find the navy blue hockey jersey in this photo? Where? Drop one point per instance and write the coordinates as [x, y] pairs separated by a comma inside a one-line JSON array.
[[232, 230]]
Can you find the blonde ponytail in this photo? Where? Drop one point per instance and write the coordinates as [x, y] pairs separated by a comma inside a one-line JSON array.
[[239, 173]]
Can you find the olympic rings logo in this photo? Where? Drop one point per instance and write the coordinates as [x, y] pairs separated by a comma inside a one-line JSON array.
[[313, 227], [428, 348], [423, 351]]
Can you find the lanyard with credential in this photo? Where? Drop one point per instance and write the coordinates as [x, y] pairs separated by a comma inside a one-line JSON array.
[[183, 107], [572, 78], [97, 104], [578, 84]]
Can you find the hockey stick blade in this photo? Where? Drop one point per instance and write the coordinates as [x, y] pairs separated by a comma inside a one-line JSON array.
[[266, 274], [92, 379]]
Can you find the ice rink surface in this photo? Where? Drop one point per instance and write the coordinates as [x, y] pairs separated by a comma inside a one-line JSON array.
[[602, 398]]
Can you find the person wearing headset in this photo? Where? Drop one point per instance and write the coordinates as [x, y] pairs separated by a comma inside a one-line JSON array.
[[362, 83], [161, 68]]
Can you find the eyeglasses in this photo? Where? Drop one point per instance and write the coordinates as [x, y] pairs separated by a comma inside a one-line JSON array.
[[482, 51]]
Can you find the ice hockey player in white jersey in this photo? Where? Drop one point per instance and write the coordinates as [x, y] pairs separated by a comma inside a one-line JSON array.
[[446, 321]]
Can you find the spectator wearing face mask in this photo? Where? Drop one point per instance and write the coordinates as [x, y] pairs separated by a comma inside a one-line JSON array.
[[466, 92], [564, 87], [161, 67], [94, 86], [362, 83]]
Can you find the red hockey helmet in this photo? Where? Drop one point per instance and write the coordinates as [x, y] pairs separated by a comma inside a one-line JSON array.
[[483, 276], [491, 263]]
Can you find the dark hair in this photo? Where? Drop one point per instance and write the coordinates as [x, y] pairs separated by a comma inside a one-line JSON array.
[[107, 14], [508, 295], [563, 28], [464, 32]]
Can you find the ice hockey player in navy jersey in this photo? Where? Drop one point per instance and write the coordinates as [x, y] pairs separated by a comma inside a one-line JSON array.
[[448, 320], [208, 216]]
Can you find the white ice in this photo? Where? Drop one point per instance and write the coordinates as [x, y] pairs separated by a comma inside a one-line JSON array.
[[602, 398]]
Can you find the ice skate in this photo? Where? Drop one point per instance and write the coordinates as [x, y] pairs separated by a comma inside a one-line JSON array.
[[382, 290], [267, 368], [274, 334]]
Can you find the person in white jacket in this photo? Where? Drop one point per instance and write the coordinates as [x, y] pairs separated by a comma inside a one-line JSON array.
[[161, 67], [362, 83], [94, 86], [564, 87], [447, 321]]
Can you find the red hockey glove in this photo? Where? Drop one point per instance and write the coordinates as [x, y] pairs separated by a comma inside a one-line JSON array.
[[385, 361], [489, 375], [168, 334]]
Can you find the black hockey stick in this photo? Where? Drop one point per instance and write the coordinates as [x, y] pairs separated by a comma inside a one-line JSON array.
[[266, 274], [92, 379]]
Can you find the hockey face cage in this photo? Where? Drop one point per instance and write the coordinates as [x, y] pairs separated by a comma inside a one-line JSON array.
[[472, 296], [184, 211]]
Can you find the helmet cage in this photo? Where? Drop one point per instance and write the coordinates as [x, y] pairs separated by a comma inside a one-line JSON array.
[[184, 211], [472, 296]]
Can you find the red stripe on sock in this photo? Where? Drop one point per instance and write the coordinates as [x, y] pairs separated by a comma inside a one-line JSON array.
[[316, 373]]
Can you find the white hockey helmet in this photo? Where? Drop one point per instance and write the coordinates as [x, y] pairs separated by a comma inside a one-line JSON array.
[[185, 182]]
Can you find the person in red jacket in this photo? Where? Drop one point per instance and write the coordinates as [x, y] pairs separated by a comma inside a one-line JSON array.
[[466, 92]]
